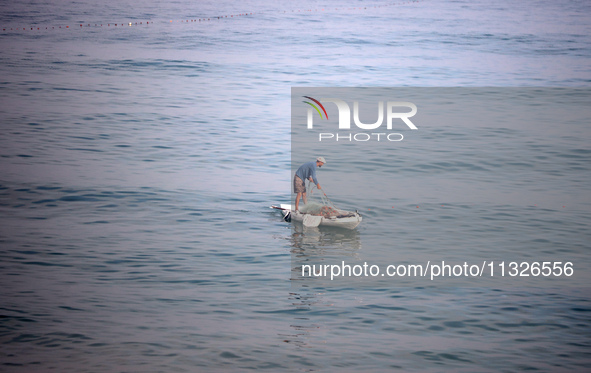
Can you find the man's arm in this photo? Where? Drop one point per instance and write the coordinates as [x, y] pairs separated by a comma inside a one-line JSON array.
[[317, 185]]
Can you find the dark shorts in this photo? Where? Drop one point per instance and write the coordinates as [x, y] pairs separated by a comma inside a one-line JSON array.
[[298, 185]]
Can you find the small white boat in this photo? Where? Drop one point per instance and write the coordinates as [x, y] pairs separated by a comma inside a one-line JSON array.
[[330, 218]]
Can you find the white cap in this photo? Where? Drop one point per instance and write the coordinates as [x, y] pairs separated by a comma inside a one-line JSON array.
[[320, 159]]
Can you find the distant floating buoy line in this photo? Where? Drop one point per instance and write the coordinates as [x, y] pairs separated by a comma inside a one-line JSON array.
[[202, 20]]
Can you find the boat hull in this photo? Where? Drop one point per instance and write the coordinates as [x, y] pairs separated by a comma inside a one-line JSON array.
[[350, 222]]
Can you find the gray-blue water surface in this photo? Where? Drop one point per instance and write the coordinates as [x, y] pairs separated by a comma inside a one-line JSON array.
[[138, 163]]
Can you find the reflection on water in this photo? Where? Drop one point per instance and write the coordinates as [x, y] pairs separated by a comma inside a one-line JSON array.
[[303, 327], [324, 239], [321, 245], [315, 246], [318, 245]]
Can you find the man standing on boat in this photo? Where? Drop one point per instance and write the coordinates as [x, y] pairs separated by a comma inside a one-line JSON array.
[[306, 171]]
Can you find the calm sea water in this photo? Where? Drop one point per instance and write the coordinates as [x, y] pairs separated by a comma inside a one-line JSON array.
[[138, 163]]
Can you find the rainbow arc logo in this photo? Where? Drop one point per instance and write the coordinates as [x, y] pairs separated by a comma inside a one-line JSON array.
[[316, 107]]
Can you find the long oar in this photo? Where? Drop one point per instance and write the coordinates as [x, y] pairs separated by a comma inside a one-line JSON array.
[[279, 208]]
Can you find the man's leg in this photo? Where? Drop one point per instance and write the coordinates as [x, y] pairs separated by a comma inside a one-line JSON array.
[[305, 198], [299, 195]]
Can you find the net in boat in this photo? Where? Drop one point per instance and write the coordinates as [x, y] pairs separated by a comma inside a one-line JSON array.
[[324, 207]]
